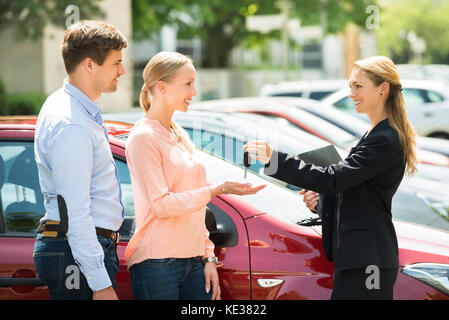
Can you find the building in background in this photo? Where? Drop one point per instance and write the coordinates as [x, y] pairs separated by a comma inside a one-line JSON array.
[[314, 58], [37, 66]]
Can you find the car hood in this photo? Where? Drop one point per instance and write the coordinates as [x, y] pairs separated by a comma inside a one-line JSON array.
[[421, 244]]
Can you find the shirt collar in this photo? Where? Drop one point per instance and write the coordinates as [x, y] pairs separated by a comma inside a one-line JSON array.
[[92, 108]]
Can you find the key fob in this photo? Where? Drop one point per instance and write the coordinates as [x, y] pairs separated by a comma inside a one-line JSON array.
[[246, 159]]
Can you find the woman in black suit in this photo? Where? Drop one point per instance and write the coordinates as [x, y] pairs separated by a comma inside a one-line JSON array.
[[356, 194]]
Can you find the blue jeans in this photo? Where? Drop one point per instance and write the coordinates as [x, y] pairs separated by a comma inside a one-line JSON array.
[[56, 266], [169, 279]]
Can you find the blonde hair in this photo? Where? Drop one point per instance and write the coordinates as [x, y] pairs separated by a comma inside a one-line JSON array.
[[382, 69], [163, 67]]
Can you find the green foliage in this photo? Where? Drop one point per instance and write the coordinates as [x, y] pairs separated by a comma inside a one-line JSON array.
[[427, 18], [28, 103], [29, 17], [221, 24]]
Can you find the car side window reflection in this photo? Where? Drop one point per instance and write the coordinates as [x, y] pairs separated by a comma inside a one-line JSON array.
[[21, 199]]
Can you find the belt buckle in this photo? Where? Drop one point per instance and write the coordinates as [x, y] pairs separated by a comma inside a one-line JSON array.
[[117, 237]]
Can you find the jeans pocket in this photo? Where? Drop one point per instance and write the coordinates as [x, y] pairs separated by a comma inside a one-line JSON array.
[[50, 269], [49, 256]]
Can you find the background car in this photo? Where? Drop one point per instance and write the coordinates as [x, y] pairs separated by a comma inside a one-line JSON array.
[[268, 244], [427, 105], [307, 115], [438, 72], [313, 89]]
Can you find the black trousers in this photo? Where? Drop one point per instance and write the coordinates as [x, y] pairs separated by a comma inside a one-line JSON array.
[[364, 284]]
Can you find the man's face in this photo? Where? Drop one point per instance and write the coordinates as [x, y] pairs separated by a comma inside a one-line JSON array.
[[106, 76]]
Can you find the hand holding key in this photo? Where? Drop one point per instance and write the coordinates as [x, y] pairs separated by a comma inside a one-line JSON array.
[[259, 150]]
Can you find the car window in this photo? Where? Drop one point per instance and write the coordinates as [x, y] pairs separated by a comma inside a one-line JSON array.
[[287, 94], [21, 200], [344, 104], [318, 95], [433, 96], [413, 97]]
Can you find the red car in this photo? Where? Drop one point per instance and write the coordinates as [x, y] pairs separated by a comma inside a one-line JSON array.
[[268, 245]]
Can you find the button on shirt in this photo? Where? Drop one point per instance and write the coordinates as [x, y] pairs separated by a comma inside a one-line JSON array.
[[170, 196], [75, 161]]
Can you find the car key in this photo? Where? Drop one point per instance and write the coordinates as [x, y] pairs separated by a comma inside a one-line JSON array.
[[246, 162]]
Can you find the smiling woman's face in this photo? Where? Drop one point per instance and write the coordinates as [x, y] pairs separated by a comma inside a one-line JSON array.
[[181, 88], [363, 92]]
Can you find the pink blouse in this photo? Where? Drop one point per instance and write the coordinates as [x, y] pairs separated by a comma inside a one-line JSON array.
[[170, 196]]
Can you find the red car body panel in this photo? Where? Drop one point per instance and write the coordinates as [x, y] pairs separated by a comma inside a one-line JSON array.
[[267, 249]]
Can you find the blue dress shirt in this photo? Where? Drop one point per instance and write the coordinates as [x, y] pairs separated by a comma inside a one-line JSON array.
[[75, 161]]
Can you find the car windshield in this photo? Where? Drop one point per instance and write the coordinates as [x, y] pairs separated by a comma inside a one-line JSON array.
[[274, 199]]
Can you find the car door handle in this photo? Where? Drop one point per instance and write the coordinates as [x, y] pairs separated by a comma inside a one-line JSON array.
[[269, 283], [427, 114], [9, 282]]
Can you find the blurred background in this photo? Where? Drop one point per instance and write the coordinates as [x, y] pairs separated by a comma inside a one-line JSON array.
[[239, 46]]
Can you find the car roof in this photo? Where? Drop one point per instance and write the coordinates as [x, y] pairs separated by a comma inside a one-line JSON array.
[[303, 86], [114, 128]]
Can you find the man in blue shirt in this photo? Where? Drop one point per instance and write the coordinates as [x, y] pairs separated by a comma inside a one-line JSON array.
[[77, 173]]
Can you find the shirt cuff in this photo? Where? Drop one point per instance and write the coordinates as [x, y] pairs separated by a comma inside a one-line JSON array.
[[99, 279], [267, 167]]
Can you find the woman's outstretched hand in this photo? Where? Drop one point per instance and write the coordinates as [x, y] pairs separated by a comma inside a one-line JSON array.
[[235, 187], [259, 150]]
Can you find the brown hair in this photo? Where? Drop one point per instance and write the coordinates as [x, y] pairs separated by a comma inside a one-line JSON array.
[[90, 39], [163, 67], [382, 69]]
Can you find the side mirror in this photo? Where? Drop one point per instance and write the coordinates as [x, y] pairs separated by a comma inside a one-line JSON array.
[[222, 230]]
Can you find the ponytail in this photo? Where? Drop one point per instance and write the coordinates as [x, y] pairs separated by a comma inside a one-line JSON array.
[[397, 116], [145, 99]]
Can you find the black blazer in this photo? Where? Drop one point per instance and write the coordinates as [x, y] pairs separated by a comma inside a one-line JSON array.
[[356, 198]]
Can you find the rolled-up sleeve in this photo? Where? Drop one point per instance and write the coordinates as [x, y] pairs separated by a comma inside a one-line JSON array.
[[71, 153], [146, 163]]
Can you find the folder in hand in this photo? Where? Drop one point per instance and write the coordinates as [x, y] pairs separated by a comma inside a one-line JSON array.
[[321, 157]]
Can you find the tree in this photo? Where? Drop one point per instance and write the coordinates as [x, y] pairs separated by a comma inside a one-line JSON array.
[[220, 24], [30, 17], [426, 18]]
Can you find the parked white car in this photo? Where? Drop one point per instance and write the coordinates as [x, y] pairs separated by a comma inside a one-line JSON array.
[[438, 72], [314, 89], [427, 106]]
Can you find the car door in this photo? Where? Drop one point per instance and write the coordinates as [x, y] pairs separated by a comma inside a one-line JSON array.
[[21, 204], [437, 111]]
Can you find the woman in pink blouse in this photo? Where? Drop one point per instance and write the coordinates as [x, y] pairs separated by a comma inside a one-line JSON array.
[[166, 254]]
